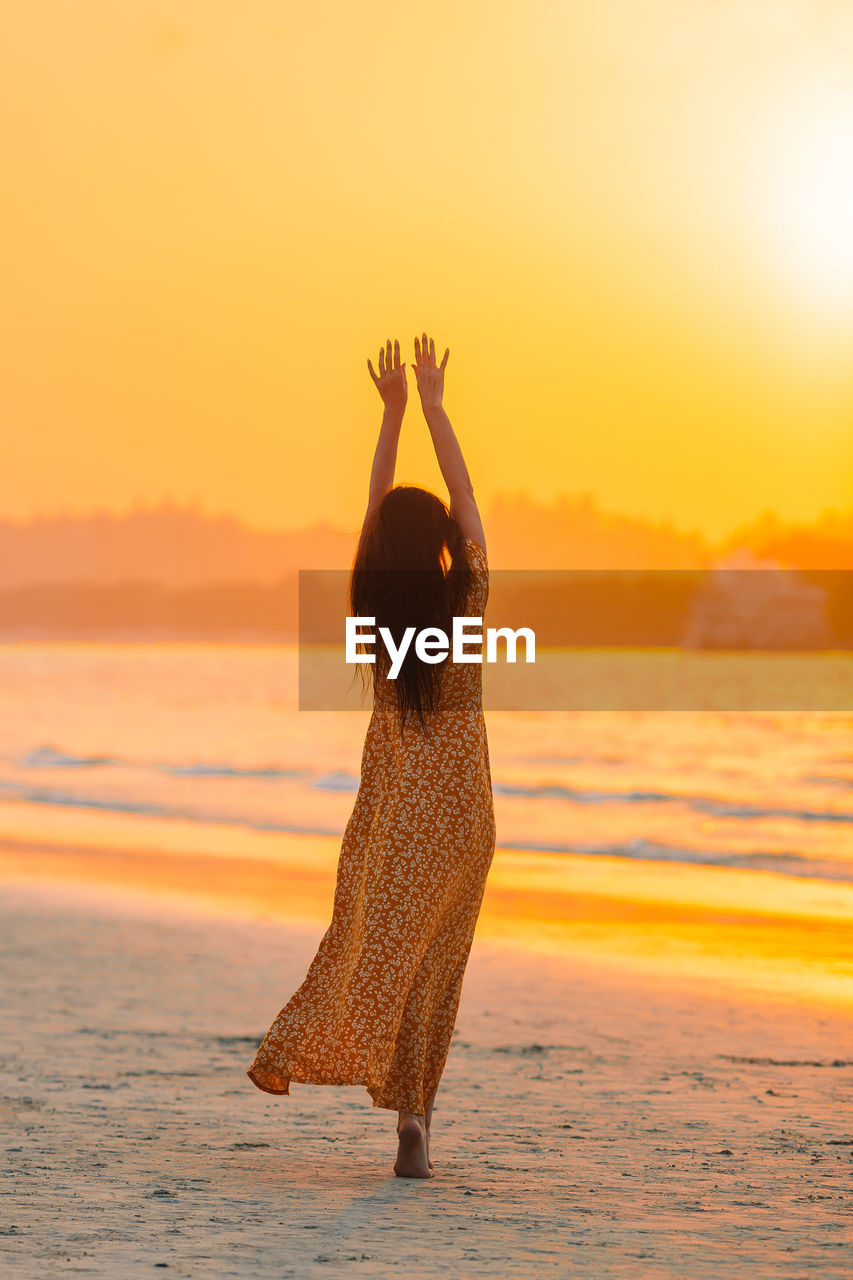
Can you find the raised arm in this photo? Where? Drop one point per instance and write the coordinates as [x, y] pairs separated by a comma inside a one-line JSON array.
[[430, 380], [391, 385]]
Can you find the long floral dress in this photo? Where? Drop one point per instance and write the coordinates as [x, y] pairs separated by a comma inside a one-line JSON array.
[[379, 1002]]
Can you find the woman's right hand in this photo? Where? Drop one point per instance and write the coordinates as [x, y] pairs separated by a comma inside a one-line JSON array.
[[429, 376], [391, 382]]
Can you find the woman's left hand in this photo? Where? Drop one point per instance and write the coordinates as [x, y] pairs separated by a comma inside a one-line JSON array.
[[391, 382]]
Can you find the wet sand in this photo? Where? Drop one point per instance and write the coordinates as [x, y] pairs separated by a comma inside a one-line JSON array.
[[609, 1108]]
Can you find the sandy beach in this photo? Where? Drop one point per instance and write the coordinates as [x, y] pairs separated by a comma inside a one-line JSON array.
[[511, 344], [609, 1107]]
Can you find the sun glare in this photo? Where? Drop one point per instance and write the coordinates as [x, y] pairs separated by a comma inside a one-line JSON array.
[[810, 190]]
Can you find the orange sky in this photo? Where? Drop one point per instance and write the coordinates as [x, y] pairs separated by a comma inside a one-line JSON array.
[[629, 223]]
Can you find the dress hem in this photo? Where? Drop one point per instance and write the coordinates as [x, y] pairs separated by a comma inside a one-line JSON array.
[[371, 1090]]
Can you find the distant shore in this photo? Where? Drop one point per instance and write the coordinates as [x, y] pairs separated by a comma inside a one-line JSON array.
[[603, 608]]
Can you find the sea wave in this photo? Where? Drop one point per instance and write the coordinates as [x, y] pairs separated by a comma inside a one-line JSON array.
[[781, 862], [49, 757], [227, 771], [700, 804], [336, 782], [152, 809]]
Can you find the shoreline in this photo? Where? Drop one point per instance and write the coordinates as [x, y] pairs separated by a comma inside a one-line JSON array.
[[779, 938]]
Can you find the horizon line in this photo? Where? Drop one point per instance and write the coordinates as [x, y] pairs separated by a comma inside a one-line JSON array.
[[572, 499]]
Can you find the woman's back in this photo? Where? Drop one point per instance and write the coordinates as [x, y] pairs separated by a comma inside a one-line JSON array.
[[460, 683]]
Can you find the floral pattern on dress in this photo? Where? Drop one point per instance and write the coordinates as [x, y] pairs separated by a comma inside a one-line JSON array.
[[379, 1002]]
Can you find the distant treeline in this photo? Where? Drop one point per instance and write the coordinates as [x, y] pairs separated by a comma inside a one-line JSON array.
[[183, 547], [150, 611], [577, 608]]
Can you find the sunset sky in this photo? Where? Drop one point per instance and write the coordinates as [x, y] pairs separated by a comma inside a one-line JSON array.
[[632, 224]]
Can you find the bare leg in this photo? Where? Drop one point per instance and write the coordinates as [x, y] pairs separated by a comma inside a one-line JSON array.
[[412, 1161], [427, 1123]]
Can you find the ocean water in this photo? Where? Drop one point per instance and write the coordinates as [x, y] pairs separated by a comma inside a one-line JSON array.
[[211, 734]]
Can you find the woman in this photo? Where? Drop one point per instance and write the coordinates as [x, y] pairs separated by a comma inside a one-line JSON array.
[[379, 1002]]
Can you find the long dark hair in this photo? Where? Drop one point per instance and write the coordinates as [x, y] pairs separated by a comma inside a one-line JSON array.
[[410, 570]]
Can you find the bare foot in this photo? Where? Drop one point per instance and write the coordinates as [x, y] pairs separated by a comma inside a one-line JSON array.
[[412, 1160]]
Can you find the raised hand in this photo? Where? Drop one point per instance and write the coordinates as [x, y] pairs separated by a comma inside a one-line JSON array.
[[429, 376], [391, 382]]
